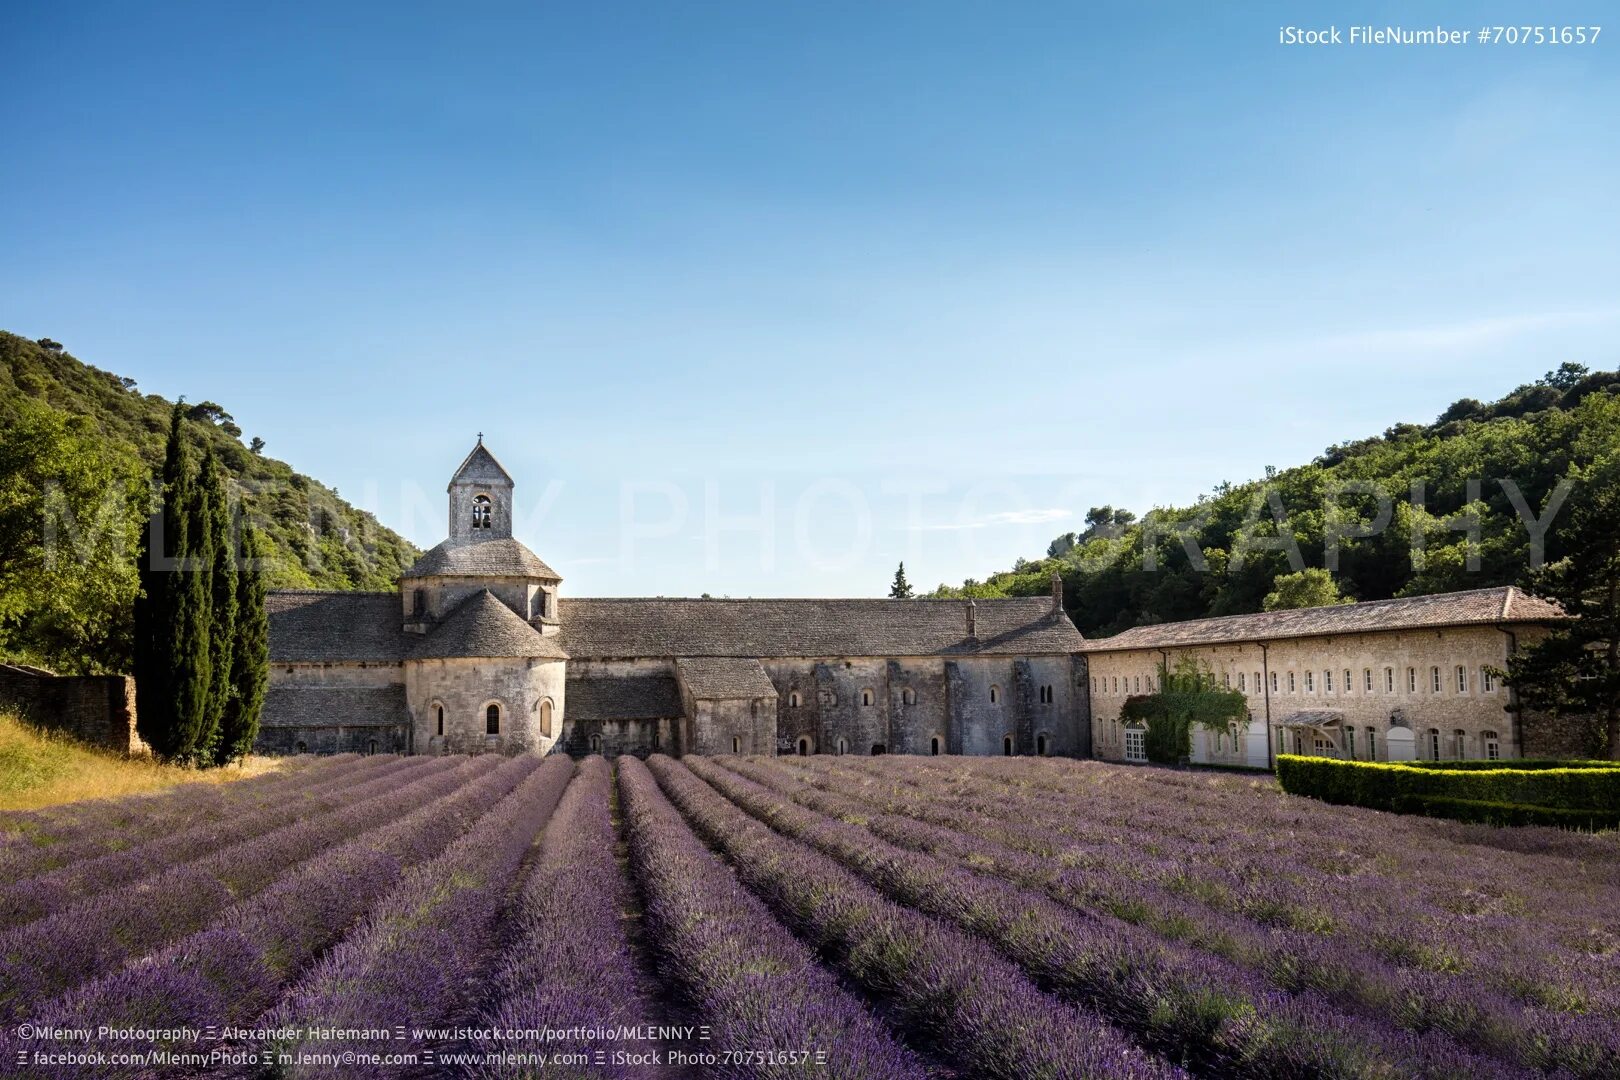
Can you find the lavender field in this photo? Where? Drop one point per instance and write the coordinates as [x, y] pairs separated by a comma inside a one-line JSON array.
[[823, 916]]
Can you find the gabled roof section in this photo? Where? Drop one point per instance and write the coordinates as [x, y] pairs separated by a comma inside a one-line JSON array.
[[480, 466], [717, 678], [1477, 607], [504, 557], [333, 706], [336, 627], [483, 627], [623, 697], [812, 628]]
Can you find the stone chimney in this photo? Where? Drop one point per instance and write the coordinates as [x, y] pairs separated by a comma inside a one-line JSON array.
[[972, 612], [1057, 593]]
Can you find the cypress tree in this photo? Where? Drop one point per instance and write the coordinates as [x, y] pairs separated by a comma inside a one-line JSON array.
[[163, 549], [218, 563], [250, 654], [192, 670]]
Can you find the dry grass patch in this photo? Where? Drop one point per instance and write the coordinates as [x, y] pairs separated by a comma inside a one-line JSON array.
[[42, 768]]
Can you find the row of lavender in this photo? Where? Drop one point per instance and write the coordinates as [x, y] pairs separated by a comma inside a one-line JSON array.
[[1194, 923], [1211, 1015], [1535, 928], [245, 960], [36, 841]]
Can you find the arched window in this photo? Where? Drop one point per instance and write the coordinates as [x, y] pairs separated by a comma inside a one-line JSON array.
[[302, 747], [908, 696], [481, 512], [596, 744], [1461, 738], [995, 694], [866, 697], [492, 720], [793, 700], [804, 746], [1372, 744], [843, 747], [545, 718], [933, 746], [736, 744], [1007, 746], [657, 738], [1434, 744], [371, 747], [1040, 744], [439, 710], [877, 748], [419, 602]]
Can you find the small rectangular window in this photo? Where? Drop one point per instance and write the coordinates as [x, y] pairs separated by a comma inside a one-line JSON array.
[[1243, 682], [1290, 682], [1411, 680], [1434, 679], [1389, 680], [1347, 683], [1462, 679], [1487, 681], [1368, 683], [1350, 742], [1327, 682], [1372, 744], [1273, 682]]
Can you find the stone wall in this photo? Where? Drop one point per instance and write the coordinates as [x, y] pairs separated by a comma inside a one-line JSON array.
[[465, 688], [924, 705], [95, 709], [334, 739], [611, 738]]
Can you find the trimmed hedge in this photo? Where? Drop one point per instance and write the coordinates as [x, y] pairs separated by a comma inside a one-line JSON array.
[[1498, 813], [1518, 764], [1379, 784]]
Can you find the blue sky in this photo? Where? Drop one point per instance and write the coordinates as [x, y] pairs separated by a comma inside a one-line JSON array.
[[757, 299]]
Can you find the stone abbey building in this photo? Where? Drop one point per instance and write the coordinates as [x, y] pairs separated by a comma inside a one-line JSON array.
[[1383, 680], [479, 651]]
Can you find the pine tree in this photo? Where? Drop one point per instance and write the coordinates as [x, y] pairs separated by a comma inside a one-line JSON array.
[[901, 589], [250, 654], [218, 564]]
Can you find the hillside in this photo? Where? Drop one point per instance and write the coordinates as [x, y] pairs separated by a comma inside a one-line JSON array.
[[77, 446], [1533, 437]]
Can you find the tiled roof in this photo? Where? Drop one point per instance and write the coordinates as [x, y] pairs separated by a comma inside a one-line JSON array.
[[481, 558], [344, 626], [1505, 604], [811, 628], [482, 626], [623, 697], [336, 626], [720, 678], [329, 706]]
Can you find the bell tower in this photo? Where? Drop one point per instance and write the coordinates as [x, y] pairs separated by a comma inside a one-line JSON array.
[[480, 498]]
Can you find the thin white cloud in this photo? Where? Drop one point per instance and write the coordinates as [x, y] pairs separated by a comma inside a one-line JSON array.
[[1463, 335], [1002, 519]]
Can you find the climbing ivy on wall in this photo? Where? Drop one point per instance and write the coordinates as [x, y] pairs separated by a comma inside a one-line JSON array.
[[1186, 697]]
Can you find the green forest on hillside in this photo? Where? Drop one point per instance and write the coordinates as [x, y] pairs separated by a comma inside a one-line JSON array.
[[78, 447], [1534, 438]]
